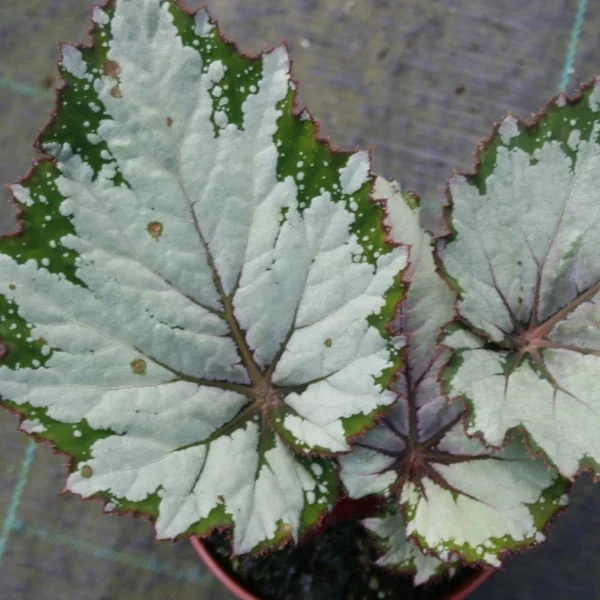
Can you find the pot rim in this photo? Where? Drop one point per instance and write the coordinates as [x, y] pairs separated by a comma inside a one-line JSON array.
[[241, 593], [218, 571]]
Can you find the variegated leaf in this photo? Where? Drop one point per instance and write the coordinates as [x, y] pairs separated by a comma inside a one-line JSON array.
[[524, 255], [195, 306], [483, 505], [458, 498]]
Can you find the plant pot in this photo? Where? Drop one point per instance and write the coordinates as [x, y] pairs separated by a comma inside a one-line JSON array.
[[230, 582], [211, 563], [345, 510]]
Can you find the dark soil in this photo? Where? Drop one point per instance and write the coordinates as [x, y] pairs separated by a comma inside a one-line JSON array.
[[336, 565]]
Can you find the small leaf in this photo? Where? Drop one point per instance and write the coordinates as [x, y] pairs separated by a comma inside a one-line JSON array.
[[459, 499], [400, 553], [524, 255], [195, 307]]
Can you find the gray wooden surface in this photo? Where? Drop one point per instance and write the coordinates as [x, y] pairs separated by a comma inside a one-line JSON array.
[[378, 73]]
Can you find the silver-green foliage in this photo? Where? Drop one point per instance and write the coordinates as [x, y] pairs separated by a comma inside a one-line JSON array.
[[195, 307], [198, 306], [524, 256]]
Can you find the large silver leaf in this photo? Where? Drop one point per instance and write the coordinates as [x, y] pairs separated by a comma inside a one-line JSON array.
[[196, 305]]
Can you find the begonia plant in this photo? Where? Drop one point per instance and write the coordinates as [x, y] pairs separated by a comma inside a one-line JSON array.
[[226, 322]]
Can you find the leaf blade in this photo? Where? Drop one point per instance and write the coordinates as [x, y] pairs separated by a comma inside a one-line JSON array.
[[186, 230], [533, 301], [444, 483]]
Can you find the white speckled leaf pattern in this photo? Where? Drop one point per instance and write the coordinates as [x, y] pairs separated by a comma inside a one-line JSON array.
[[199, 294], [525, 258]]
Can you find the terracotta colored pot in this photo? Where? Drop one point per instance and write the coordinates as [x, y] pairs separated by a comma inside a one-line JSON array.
[[219, 572], [242, 594], [344, 510], [471, 585]]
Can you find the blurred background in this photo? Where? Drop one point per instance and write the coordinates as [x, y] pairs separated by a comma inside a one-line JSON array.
[[417, 81]]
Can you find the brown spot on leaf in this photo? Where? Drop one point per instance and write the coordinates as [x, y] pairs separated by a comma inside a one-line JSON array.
[[138, 366], [48, 81], [460, 88], [11, 286], [41, 340], [115, 92], [169, 121], [112, 68], [221, 498], [155, 229], [86, 471], [328, 342]]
